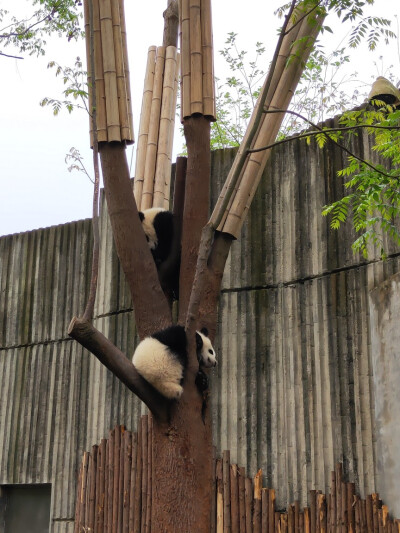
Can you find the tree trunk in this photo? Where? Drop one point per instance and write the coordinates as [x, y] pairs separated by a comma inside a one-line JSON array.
[[182, 467]]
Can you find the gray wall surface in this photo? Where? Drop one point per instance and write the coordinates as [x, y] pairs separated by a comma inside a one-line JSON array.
[[293, 393], [385, 334]]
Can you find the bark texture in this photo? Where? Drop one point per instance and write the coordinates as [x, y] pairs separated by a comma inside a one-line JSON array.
[[152, 311]]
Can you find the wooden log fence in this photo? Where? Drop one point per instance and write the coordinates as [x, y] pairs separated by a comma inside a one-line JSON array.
[[114, 495]]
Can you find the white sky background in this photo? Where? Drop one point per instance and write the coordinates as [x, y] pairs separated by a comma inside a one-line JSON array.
[[36, 189]]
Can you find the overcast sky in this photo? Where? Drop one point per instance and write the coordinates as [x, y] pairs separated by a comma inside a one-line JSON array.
[[36, 188]]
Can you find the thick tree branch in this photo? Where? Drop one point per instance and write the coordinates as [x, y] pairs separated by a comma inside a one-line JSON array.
[[116, 361], [171, 23], [152, 311]]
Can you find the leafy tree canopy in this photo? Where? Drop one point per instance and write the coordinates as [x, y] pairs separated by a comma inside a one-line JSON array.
[[27, 35]]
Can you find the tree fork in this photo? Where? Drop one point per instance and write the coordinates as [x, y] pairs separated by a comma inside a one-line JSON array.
[[152, 311]]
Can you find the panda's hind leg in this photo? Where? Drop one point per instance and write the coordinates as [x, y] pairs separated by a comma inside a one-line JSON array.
[[172, 390]]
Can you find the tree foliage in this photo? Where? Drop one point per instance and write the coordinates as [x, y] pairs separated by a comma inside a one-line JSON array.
[[27, 35]]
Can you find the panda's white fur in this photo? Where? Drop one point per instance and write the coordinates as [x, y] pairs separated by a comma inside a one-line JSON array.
[[162, 358], [159, 366], [148, 225]]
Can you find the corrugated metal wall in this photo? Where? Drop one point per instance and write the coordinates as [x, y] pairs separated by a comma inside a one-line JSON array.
[[293, 393]]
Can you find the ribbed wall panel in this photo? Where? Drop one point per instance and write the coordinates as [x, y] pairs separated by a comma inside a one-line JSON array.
[[293, 391]]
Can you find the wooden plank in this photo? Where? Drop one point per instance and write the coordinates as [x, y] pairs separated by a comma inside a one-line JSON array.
[[127, 465], [271, 510], [248, 488], [264, 510], [257, 502], [144, 426], [242, 500], [137, 521], [220, 497]]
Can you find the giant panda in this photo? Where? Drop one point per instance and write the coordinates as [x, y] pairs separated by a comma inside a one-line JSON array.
[[161, 359], [158, 227]]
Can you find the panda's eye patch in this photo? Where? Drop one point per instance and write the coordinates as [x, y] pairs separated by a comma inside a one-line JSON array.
[[210, 351]]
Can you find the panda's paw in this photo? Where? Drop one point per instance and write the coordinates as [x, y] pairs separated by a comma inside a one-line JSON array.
[[201, 381], [174, 391]]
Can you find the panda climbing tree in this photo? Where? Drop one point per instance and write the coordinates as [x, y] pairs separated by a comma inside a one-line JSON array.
[[170, 364]]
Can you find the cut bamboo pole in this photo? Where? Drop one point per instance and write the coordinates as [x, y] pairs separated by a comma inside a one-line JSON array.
[[284, 523], [227, 490], [248, 488], [122, 99], [264, 510], [133, 486], [167, 193], [257, 502], [78, 503], [209, 109], [220, 497], [313, 511], [333, 501], [291, 519], [242, 499], [121, 480], [149, 478], [92, 488], [184, 13], [102, 483], [235, 526], [144, 125], [296, 508], [271, 508], [163, 164], [152, 140], [213, 528], [144, 446], [127, 466], [307, 522], [269, 126], [110, 74], [369, 514], [115, 462], [138, 483], [129, 136], [196, 60]]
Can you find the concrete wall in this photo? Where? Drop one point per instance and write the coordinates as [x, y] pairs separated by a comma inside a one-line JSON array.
[[293, 393], [385, 336]]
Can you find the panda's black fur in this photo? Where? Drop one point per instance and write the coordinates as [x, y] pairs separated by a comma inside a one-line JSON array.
[[162, 359], [158, 227]]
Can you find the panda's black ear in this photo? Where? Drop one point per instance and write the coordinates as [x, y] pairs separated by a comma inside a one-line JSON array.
[[199, 342], [141, 216], [204, 331]]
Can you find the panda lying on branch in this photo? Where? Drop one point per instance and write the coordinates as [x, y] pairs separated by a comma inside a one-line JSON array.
[[162, 358]]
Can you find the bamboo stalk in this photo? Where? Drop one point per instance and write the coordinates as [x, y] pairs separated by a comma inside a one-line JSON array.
[[115, 486], [102, 479], [149, 467], [164, 147], [227, 490], [144, 446], [291, 519], [121, 480], [369, 514], [271, 509], [333, 501], [120, 71], [267, 131], [127, 465], [264, 510], [138, 483], [242, 500], [209, 109], [144, 125], [196, 60], [110, 75], [313, 511], [350, 508], [213, 528], [129, 136], [257, 502], [167, 192], [92, 488], [184, 13], [307, 522], [152, 140], [220, 497], [133, 486], [78, 505], [248, 488], [234, 486]]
